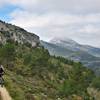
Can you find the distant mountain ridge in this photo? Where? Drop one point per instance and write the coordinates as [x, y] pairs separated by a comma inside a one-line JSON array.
[[70, 49], [74, 46]]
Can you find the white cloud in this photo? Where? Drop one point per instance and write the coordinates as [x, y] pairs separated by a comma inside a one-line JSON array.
[[28, 19], [70, 6], [89, 29], [74, 6], [48, 25], [3, 2], [76, 19]]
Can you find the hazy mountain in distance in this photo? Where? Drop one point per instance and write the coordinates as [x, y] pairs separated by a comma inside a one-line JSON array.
[[74, 46], [72, 50]]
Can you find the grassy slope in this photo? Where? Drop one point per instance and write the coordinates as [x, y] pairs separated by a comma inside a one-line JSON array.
[[32, 74]]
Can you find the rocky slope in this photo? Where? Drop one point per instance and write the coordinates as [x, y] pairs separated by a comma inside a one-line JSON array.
[[8, 31], [4, 95]]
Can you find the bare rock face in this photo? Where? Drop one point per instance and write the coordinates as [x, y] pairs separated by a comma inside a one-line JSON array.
[[4, 95], [15, 33]]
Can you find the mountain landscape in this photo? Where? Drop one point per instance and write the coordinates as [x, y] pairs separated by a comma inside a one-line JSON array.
[[32, 73], [88, 55], [74, 46]]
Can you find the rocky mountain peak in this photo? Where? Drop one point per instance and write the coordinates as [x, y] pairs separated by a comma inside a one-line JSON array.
[[15, 33], [63, 40]]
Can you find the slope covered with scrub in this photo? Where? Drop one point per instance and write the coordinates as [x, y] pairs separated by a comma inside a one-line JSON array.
[[32, 74]]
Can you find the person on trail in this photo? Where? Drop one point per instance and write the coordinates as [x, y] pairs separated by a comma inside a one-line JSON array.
[[1, 75], [1, 71]]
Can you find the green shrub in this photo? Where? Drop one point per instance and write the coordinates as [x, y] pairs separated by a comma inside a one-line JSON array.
[[96, 83]]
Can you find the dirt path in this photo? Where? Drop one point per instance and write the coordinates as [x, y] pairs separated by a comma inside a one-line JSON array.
[[4, 95]]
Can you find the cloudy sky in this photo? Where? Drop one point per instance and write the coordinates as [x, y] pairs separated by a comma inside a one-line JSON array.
[[75, 19]]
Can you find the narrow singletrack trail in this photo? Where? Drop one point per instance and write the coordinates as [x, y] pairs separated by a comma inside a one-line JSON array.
[[4, 95]]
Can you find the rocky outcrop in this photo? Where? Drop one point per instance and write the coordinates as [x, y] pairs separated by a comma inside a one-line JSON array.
[[15, 33], [94, 93], [4, 95]]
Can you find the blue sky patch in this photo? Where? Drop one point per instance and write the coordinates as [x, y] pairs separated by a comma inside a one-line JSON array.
[[5, 12]]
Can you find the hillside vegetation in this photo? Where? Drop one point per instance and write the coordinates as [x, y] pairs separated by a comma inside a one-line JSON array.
[[32, 74], [70, 49]]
